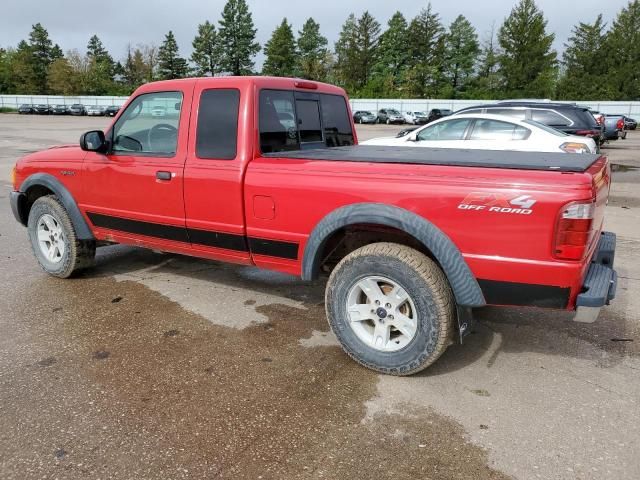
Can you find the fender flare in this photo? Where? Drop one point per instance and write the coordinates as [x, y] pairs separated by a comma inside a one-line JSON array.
[[83, 232], [463, 283]]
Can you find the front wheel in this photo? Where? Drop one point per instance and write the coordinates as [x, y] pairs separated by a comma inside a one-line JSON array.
[[53, 239], [391, 308]]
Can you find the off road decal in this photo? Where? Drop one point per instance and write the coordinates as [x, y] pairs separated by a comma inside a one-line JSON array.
[[498, 203]]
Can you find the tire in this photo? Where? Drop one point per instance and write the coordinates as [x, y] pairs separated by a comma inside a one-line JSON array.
[[388, 122], [430, 306], [360, 121], [73, 255]]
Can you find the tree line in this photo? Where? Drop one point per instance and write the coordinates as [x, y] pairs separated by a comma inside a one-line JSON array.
[[419, 57]]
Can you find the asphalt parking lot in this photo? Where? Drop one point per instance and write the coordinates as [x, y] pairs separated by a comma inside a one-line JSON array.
[[162, 366]]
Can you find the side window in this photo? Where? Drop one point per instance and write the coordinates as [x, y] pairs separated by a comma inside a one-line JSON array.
[[278, 131], [519, 113], [495, 130], [149, 125], [337, 124], [217, 132], [449, 130], [549, 117], [308, 112]]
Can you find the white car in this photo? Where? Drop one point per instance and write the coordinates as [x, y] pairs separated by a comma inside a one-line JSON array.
[[415, 118], [158, 111], [95, 111], [490, 132]]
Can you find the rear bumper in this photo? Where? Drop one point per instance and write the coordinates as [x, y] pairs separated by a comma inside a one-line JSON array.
[[600, 283]]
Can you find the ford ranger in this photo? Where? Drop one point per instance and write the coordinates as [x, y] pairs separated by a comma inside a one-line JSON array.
[[267, 172]]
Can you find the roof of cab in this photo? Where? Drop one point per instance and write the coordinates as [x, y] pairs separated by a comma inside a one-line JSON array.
[[279, 83]]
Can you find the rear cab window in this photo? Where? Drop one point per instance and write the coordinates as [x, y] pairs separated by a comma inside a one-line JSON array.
[[217, 130], [291, 120]]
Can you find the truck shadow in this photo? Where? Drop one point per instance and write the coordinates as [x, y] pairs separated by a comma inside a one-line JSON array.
[[498, 330]]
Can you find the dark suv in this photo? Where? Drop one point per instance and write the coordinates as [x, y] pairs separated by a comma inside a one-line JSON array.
[[437, 114], [566, 117]]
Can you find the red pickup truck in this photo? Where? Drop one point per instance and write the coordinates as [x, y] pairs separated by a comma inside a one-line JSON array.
[[267, 172]]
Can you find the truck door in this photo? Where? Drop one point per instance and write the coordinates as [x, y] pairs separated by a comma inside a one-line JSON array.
[[134, 192], [213, 175]]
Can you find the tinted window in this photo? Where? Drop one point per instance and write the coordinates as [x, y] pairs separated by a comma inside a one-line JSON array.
[[519, 113], [335, 117], [308, 112], [141, 130], [495, 130], [450, 130], [278, 130], [549, 117], [217, 133]]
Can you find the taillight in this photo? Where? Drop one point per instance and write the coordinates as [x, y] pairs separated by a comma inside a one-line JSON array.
[[588, 133], [574, 230], [620, 124], [572, 147]]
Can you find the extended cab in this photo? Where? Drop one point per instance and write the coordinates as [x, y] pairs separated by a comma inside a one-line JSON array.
[[267, 172]]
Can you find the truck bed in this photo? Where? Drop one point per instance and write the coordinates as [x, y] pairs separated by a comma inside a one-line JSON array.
[[560, 162]]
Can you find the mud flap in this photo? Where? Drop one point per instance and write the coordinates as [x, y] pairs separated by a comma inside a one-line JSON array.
[[465, 321]]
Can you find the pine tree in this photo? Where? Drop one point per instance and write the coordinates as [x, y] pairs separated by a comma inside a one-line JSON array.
[[97, 52], [312, 52], [347, 52], [461, 52], [426, 50], [237, 38], [170, 64], [528, 63], [43, 52], [368, 36], [206, 51], [584, 76], [487, 83], [623, 58], [135, 69], [392, 59], [23, 71], [280, 52]]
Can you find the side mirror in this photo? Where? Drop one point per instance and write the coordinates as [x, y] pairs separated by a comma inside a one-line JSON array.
[[413, 137], [93, 141]]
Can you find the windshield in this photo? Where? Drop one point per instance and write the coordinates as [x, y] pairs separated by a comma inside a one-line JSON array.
[[419, 114], [546, 128], [393, 112]]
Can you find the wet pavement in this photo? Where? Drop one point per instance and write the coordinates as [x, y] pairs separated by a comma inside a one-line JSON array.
[[155, 366]]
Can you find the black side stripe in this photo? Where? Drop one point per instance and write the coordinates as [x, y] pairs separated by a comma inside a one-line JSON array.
[[524, 294], [227, 241]]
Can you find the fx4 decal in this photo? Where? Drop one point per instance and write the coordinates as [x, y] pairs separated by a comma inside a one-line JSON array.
[[498, 203]]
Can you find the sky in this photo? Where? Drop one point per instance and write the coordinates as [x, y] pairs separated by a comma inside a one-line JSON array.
[[117, 22]]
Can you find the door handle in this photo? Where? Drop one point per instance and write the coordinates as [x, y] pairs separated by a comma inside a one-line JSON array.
[[162, 175]]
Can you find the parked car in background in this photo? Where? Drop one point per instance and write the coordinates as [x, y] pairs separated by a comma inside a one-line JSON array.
[[60, 110], [77, 109], [415, 118], [112, 110], [389, 116], [25, 109], [614, 127], [438, 113], [364, 116], [630, 123], [95, 111], [566, 117], [42, 109], [490, 132], [160, 111]]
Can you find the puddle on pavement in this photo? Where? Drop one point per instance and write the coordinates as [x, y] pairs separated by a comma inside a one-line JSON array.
[[616, 167], [178, 397]]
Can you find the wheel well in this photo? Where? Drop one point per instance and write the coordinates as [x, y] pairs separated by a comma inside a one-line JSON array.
[[347, 239], [33, 193]]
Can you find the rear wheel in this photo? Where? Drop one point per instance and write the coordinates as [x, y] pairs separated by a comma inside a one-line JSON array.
[[388, 121], [391, 308], [54, 241]]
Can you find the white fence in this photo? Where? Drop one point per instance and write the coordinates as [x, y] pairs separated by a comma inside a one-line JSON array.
[[631, 109], [14, 101]]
